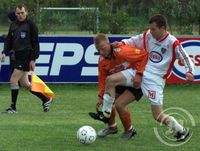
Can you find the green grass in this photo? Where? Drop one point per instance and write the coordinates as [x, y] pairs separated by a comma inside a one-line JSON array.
[[32, 130]]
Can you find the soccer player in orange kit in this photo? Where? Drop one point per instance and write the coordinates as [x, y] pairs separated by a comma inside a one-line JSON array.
[[119, 61]]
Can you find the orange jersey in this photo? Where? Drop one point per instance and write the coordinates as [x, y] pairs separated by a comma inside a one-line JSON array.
[[124, 57]]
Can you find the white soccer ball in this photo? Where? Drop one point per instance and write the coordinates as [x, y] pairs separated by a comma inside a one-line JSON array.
[[86, 134]]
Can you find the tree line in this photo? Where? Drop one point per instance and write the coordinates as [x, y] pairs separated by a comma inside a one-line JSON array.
[[121, 17]]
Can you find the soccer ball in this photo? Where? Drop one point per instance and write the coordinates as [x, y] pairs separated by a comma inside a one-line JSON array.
[[86, 134]]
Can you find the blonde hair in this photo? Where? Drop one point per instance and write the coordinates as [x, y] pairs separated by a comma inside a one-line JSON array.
[[99, 38]]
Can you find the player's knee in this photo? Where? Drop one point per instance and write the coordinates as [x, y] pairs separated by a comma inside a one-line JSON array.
[[110, 81], [120, 106], [13, 81], [117, 105], [25, 85]]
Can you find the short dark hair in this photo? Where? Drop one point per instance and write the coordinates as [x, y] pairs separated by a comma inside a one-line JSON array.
[[160, 20], [20, 6]]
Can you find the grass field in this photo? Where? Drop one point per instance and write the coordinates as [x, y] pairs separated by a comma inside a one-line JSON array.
[[32, 130]]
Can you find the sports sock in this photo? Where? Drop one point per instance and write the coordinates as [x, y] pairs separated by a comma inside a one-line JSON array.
[[112, 117], [14, 94], [107, 104], [126, 120], [174, 125], [41, 96]]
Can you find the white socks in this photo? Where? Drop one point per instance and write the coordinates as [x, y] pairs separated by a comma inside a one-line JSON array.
[[107, 103], [174, 125]]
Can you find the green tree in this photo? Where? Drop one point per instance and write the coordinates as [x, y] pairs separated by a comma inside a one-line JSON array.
[[196, 13], [180, 13], [88, 20], [184, 16], [113, 17]]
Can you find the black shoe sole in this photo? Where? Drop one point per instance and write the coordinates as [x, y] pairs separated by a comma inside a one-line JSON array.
[[181, 140], [96, 117]]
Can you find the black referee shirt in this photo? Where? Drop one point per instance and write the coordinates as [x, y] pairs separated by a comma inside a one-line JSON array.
[[22, 36]]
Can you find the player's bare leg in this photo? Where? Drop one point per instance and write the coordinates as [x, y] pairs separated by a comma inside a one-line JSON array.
[[109, 95], [121, 105], [16, 75], [181, 132], [24, 81]]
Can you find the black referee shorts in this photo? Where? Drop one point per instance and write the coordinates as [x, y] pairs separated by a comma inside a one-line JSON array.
[[136, 92], [21, 60]]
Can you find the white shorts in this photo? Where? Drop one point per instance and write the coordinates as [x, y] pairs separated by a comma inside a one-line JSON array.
[[153, 92], [152, 85], [129, 74]]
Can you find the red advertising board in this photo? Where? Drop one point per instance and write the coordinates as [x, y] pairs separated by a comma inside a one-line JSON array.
[[192, 47]]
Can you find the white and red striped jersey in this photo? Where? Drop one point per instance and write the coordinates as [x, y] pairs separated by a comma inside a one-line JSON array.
[[162, 53]]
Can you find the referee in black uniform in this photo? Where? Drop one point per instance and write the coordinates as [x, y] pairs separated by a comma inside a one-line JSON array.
[[22, 41]]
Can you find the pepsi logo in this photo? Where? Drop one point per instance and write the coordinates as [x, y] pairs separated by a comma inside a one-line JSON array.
[[192, 47], [155, 57]]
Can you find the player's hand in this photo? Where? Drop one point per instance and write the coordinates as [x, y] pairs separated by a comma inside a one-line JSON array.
[[116, 44], [137, 79], [189, 77], [2, 57], [32, 65], [99, 103]]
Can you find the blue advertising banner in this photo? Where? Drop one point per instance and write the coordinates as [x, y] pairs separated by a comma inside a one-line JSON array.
[[63, 60], [73, 59]]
